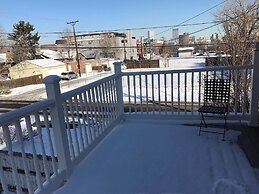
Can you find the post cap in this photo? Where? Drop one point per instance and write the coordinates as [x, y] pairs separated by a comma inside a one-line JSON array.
[[117, 63], [51, 79]]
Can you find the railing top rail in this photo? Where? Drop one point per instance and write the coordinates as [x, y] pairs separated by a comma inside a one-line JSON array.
[[203, 69], [15, 115], [69, 94]]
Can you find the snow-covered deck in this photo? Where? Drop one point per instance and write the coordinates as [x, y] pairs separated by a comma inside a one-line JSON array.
[[148, 156]]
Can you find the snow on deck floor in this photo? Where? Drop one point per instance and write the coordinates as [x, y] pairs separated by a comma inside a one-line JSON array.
[[163, 157]]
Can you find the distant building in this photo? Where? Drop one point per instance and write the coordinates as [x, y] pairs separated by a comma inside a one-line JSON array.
[[151, 35], [102, 44], [185, 52], [175, 37], [186, 38], [181, 39], [36, 67], [192, 40], [214, 37], [201, 39]]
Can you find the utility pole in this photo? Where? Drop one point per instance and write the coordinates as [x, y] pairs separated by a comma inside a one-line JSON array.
[[125, 54], [73, 23], [141, 42]]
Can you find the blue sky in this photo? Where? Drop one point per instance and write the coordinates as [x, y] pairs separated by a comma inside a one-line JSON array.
[[52, 16]]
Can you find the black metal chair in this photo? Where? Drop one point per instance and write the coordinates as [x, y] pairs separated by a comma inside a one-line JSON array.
[[216, 102]]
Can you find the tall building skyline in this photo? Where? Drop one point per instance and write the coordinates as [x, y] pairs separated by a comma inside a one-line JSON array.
[[150, 35], [175, 35]]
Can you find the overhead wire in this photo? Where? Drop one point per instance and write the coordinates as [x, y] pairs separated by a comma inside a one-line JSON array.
[[193, 17]]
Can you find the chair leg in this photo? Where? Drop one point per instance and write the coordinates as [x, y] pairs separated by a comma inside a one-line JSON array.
[[202, 121], [225, 127]]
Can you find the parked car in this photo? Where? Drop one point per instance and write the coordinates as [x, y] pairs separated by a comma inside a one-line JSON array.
[[67, 75]]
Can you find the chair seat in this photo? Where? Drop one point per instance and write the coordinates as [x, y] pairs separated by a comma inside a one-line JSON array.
[[213, 109]]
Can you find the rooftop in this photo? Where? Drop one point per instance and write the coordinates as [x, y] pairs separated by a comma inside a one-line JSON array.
[[45, 62]]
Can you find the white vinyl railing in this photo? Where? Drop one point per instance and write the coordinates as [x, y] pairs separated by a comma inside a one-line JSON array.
[[29, 159], [180, 92], [44, 141]]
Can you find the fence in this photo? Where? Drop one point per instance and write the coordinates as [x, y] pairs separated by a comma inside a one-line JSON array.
[[35, 79], [142, 64]]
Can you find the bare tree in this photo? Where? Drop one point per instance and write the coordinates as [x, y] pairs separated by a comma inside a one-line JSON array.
[[108, 44], [67, 40], [239, 19]]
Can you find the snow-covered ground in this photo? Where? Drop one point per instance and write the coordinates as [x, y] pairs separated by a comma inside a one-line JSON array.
[[172, 63], [164, 157]]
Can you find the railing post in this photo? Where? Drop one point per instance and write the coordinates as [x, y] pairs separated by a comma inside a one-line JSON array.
[[255, 88], [58, 123], [117, 70]]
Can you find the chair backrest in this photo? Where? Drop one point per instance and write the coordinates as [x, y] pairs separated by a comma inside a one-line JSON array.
[[217, 91]]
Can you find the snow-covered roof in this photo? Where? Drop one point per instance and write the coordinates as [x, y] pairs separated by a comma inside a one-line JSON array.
[[45, 62], [186, 49], [53, 54]]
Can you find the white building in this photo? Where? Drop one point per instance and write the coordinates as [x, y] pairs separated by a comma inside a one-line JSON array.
[[151, 35], [185, 52], [103, 44]]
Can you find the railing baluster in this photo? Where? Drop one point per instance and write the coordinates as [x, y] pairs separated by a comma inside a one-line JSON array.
[[129, 94], [140, 95], [3, 180], [172, 93], [108, 89], [92, 121], [39, 130], [159, 93], [8, 143], [199, 97], [51, 147], [165, 88], [34, 152], [153, 94], [105, 106], [179, 93], [135, 95], [24, 158], [114, 102], [237, 91], [192, 93], [74, 130], [147, 101], [109, 102], [185, 93], [101, 108], [85, 139], [88, 123], [95, 112], [70, 141], [79, 126], [244, 109]]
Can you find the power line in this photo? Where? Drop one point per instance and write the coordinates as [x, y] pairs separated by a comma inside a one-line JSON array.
[[124, 29], [192, 17]]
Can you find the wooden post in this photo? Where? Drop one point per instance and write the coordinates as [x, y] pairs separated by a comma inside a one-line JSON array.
[[58, 123], [117, 69], [254, 89]]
